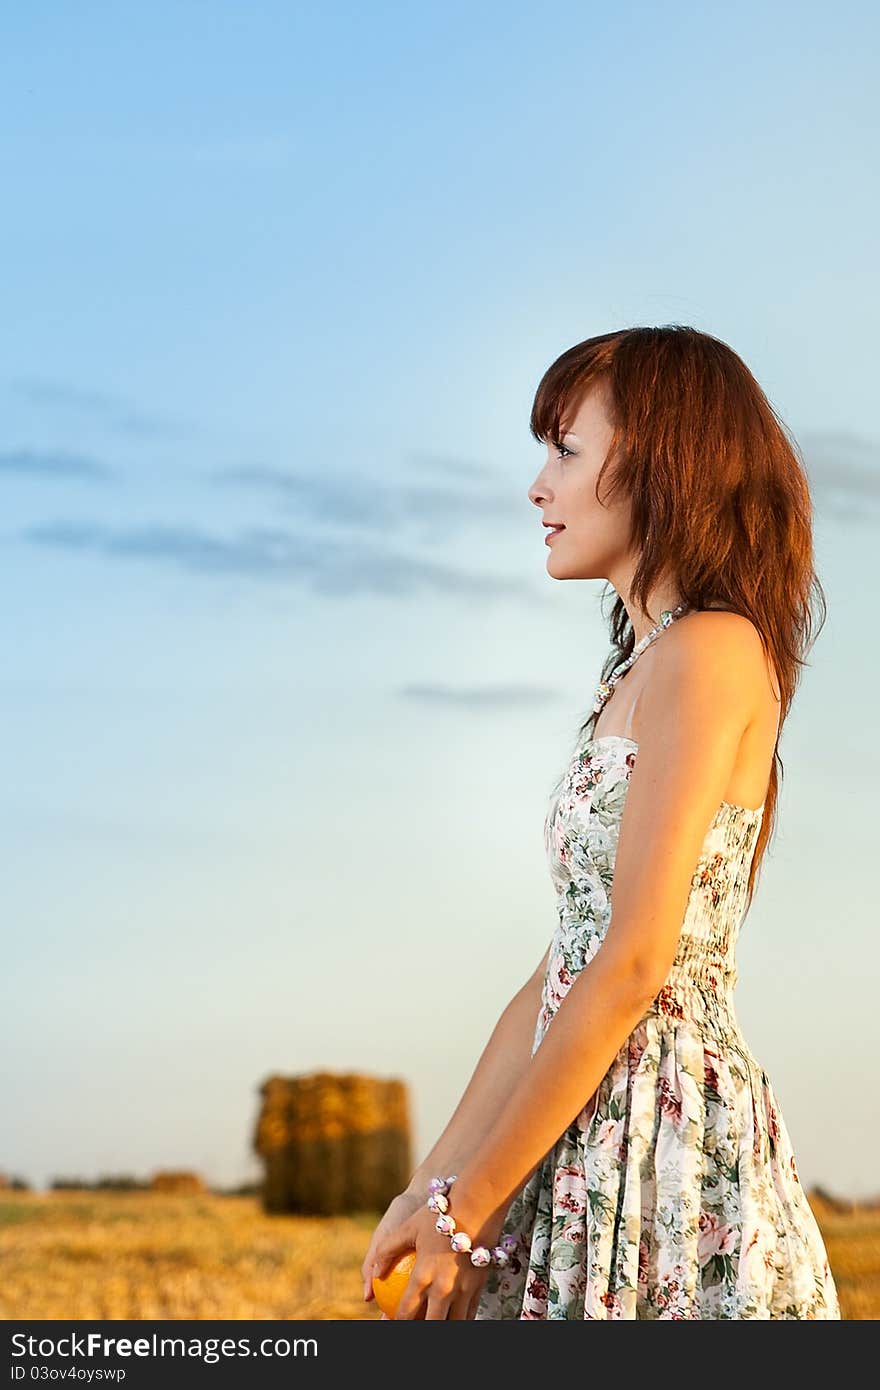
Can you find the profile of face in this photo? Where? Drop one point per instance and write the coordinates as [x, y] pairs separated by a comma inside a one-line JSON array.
[[594, 540]]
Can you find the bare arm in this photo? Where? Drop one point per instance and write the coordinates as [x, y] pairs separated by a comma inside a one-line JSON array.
[[503, 1061], [699, 706]]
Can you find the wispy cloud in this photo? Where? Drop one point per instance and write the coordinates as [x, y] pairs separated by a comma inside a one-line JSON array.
[[329, 567], [53, 464], [844, 473], [433, 508], [114, 412], [351, 501], [449, 463], [482, 697]]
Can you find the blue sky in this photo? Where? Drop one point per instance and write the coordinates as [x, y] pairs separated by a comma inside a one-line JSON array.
[[287, 684]]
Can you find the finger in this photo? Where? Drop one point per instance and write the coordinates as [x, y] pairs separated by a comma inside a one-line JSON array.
[[410, 1308], [474, 1296], [468, 1294], [368, 1262], [438, 1308], [411, 1300], [474, 1304], [386, 1257], [367, 1271], [389, 1250], [458, 1308]]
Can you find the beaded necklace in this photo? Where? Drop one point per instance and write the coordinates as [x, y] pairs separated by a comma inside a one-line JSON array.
[[604, 688]]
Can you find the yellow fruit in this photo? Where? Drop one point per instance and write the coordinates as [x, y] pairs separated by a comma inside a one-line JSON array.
[[388, 1291]]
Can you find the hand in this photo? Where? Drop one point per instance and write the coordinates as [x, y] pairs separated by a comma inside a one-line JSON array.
[[442, 1278], [390, 1239]]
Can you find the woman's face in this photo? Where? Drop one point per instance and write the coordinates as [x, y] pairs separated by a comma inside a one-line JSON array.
[[594, 543]]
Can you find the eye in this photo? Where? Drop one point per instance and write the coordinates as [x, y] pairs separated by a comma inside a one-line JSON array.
[[560, 447]]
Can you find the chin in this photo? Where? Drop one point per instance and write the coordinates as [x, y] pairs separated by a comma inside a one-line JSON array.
[[558, 569]]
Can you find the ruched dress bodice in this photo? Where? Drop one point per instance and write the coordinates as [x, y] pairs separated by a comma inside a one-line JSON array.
[[581, 831]]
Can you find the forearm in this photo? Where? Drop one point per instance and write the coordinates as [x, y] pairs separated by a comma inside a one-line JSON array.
[[503, 1061], [600, 1010]]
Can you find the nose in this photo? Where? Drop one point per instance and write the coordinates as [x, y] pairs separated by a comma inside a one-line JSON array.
[[538, 492]]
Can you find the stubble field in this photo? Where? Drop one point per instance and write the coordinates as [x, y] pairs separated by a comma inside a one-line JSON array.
[[87, 1255]]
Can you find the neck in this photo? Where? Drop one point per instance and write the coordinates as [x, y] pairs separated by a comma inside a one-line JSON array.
[[662, 596]]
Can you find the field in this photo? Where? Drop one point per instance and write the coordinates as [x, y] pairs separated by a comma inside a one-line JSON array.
[[88, 1255]]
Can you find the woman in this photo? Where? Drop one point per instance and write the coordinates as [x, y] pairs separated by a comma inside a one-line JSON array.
[[631, 1160]]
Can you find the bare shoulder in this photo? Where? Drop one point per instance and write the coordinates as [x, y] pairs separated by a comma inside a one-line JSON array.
[[707, 679], [709, 665], [717, 636]]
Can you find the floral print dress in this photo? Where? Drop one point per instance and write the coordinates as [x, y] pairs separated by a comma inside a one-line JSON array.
[[674, 1193]]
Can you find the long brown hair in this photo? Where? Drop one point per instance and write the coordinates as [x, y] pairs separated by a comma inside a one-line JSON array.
[[719, 493]]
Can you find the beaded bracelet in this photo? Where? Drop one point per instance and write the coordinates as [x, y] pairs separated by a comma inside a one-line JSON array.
[[438, 1200]]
